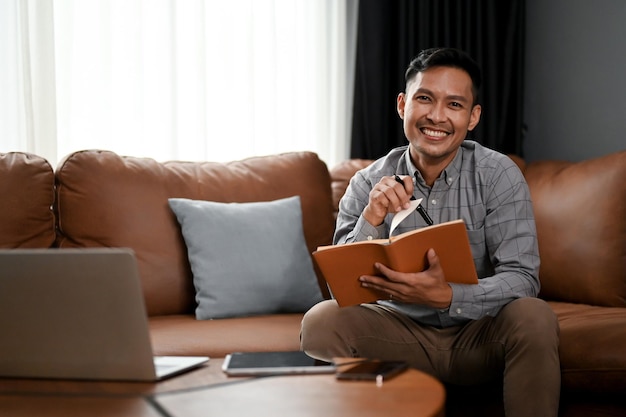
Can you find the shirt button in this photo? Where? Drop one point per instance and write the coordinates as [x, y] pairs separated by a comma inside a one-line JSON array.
[[450, 180], [370, 238], [433, 202], [458, 311]]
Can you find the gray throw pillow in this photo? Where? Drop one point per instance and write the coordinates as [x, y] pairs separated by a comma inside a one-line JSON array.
[[247, 258]]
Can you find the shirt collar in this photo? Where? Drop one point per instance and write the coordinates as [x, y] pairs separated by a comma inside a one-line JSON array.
[[449, 175]]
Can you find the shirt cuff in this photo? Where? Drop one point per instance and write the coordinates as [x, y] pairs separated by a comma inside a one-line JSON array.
[[365, 231], [463, 302]]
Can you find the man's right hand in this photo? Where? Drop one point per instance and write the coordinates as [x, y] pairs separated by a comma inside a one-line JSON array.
[[388, 196]]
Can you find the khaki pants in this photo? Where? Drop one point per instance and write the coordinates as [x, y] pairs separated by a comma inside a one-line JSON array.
[[518, 347]]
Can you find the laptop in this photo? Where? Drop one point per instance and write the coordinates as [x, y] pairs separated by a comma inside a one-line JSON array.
[[77, 314]]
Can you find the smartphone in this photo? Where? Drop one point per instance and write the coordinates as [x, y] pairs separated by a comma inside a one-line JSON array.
[[372, 370]]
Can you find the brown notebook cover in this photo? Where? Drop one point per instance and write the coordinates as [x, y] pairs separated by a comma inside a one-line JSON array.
[[342, 265]]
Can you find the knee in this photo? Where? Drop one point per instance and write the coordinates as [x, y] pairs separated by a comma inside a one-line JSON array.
[[317, 325], [325, 330], [319, 315], [532, 319]]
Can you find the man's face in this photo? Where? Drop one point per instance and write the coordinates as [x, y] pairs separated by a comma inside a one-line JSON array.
[[437, 111]]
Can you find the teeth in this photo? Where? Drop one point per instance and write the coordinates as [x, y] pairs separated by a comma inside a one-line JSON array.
[[436, 133]]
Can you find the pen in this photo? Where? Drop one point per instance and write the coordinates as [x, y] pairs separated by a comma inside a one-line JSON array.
[[420, 209]]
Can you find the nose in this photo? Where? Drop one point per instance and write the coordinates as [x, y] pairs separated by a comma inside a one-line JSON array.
[[437, 113]]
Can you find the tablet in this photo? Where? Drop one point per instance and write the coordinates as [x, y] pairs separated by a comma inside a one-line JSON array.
[[274, 363]]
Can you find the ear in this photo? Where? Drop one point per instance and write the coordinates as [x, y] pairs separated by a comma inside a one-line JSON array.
[[474, 117], [400, 103]]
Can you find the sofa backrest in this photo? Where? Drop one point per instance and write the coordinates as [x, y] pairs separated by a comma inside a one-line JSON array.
[[580, 211], [109, 200], [27, 190]]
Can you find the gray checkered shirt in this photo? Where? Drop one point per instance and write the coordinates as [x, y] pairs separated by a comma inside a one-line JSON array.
[[485, 189]]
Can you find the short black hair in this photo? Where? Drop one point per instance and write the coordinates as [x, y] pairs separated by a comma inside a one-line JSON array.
[[445, 57]]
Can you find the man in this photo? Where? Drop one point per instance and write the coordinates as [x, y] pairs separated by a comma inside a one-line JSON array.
[[462, 334]]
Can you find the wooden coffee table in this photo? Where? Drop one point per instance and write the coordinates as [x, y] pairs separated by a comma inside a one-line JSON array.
[[207, 391]]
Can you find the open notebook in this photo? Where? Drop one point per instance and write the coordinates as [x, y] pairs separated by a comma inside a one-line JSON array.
[[77, 314]]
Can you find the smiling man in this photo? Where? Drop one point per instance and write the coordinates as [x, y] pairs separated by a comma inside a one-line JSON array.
[[496, 330]]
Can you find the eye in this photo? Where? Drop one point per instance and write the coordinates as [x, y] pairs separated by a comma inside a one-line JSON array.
[[422, 98], [456, 104]]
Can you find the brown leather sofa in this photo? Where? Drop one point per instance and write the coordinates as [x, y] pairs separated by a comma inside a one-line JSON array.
[[97, 198]]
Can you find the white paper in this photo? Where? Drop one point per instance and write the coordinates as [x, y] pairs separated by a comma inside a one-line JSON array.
[[402, 214]]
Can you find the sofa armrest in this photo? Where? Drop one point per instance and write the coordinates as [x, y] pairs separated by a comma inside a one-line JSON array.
[[340, 176], [27, 196]]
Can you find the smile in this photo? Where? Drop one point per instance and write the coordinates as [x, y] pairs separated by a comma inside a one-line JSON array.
[[434, 133]]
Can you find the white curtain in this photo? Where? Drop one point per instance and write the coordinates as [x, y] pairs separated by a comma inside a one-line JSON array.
[[177, 79]]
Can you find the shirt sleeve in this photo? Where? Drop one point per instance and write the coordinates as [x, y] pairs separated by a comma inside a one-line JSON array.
[[351, 225]]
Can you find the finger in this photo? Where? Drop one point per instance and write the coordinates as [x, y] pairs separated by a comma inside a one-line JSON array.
[[389, 273], [378, 197], [403, 191], [393, 193], [433, 259], [406, 182], [383, 289], [374, 281], [385, 197], [378, 283]]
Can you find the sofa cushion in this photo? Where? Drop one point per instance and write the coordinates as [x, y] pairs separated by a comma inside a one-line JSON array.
[[592, 347], [26, 199], [104, 199], [247, 258], [183, 335], [579, 209]]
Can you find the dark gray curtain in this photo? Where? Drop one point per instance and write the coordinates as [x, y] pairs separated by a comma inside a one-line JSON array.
[[392, 32]]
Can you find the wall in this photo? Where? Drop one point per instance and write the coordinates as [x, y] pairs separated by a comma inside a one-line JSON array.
[[575, 82]]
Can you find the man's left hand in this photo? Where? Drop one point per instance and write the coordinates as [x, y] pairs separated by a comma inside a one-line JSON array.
[[428, 287]]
